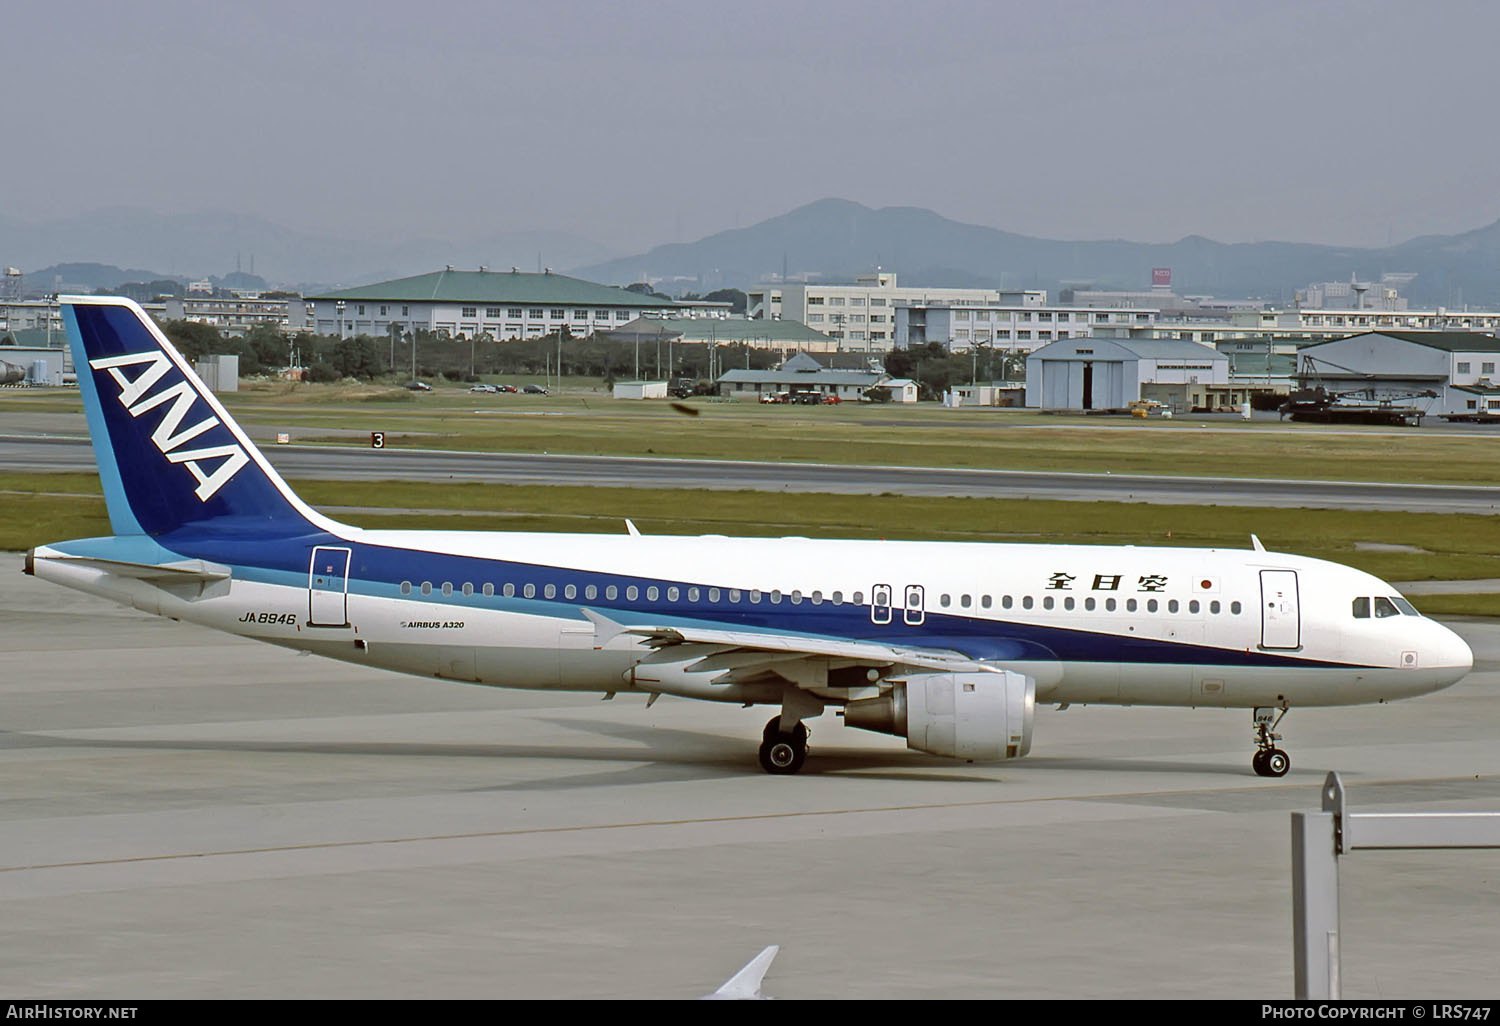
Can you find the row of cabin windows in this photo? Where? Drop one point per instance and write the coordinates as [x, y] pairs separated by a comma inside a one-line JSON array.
[[653, 593]]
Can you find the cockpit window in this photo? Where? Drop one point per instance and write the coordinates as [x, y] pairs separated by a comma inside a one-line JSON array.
[[1385, 607], [1361, 608], [1405, 606]]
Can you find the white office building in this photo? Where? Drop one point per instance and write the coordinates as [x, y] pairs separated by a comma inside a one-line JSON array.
[[861, 316]]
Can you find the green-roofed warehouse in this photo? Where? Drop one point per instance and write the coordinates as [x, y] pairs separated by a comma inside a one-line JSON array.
[[463, 304]]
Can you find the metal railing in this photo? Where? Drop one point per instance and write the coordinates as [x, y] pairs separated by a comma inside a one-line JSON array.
[[1318, 841]]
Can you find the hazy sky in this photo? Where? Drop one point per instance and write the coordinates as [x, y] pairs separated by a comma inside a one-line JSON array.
[[649, 121]]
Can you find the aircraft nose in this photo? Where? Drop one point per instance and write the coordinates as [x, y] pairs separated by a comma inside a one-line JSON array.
[[1452, 652]]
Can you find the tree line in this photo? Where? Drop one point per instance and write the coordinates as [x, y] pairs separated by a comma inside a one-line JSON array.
[[265, 350]]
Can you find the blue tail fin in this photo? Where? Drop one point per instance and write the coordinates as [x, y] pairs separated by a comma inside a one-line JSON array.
[[169, 455]]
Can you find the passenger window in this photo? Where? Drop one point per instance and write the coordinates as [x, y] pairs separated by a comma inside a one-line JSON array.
[[713, 594], [570, 592], [1171, 605], [1361, 608], [406, 587], [692, 594], [529, 591], [1026, 602], [652, 593], [945, 601], [1193, 606], [1088, 604], [611, 592], [965, 600], [859, 598], [1151, 605], [1234, 607], [489, 591], [1385, 607], [426, 587], [1047, 602], [754, 597], [985, 602], [838, 598], [632, 593], [797, 597], [1005, 601], [590, 592], [672, 594], [1130, 605], [550, 591], [1068, 603], [509, 591], [1213, 607], [734, 595], [468, 588], [1109, 605]]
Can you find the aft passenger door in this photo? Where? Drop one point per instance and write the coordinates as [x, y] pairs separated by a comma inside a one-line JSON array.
[[1280, 616], [328, 587]]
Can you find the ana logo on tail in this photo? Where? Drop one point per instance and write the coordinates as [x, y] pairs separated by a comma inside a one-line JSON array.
[[169, 435]]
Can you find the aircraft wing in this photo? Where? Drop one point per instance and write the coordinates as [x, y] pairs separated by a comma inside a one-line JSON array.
[[750, 650], [745, 985]]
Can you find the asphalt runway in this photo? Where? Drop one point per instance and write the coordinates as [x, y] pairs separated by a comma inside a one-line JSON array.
[[184, 815], [21, 453]]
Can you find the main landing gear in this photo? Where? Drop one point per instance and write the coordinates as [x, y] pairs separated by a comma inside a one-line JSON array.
[[1269, 761], [783, 752]]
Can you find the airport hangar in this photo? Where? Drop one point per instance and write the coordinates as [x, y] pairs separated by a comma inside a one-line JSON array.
[[1109, 374], [1436, 373], [463, 304]]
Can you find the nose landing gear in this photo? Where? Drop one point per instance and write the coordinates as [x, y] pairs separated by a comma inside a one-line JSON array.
[[1269, 761]]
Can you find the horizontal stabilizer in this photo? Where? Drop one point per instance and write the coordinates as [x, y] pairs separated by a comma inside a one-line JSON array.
[[183, 572]]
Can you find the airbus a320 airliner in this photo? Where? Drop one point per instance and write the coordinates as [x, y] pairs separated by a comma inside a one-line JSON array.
[[949, 645]]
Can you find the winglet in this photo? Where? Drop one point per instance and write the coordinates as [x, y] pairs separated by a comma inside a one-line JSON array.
[[745, 984]]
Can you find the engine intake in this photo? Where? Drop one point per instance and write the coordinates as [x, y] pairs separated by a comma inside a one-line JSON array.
[[984, 717]]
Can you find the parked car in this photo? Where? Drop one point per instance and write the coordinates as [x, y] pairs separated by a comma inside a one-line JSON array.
[[505, 388], [534, 390], [418, 386], [484, 388]]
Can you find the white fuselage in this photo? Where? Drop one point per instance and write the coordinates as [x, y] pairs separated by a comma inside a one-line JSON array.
[[1091, 624]]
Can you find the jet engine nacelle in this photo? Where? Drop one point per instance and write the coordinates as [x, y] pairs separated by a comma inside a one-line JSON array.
[[978, 716]]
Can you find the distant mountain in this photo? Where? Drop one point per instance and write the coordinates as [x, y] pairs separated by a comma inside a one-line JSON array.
[[838, 239], [218, 243]]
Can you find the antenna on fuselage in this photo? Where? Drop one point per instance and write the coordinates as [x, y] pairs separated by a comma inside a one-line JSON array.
[[1256, 542]]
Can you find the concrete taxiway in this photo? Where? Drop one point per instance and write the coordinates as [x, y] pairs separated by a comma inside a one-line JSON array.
[[20, 453], [184, 815]]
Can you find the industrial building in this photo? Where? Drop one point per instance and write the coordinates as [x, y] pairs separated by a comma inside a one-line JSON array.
[[1430, 373], [466, 304]]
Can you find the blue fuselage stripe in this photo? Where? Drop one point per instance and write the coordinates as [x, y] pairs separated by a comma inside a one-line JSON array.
[[379, 570]]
